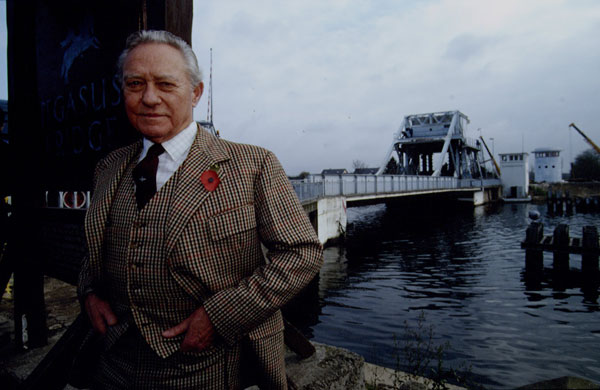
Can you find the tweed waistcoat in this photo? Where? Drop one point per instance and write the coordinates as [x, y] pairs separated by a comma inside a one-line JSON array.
[[141, 288]]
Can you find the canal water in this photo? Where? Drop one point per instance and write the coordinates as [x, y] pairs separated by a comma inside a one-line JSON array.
[[462, 271]]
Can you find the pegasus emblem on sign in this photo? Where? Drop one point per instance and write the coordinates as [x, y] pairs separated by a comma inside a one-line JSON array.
[[77, 44]]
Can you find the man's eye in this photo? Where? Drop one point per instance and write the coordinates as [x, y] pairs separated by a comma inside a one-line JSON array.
[[166, 84], [134, 84]]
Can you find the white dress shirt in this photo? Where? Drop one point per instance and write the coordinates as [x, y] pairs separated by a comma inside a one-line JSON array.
[[176, 151]]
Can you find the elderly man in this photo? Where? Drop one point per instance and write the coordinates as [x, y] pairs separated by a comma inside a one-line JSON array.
[[176, 281]]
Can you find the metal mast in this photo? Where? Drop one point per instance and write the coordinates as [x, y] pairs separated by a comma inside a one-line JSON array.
[[209, 107], [208, 123]]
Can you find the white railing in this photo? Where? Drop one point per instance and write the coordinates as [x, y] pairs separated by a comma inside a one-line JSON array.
[[67, 199], [316, 186]]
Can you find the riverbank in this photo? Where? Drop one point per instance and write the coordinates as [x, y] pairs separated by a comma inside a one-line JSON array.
[[329, 368], [539, 191]]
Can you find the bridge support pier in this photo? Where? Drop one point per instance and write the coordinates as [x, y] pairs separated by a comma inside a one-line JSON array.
[[328, 217], [331, 218], [486, 195]]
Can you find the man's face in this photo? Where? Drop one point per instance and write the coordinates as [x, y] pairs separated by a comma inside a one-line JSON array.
[[158, 94]]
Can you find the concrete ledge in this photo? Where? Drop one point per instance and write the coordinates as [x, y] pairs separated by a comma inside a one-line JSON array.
[[330, 368], [565, 382], [382, 378]]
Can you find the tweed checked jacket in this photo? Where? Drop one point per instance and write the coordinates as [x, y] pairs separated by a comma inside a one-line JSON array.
[[212, 239]]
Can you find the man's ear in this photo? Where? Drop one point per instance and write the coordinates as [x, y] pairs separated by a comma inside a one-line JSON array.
[[197, 93]]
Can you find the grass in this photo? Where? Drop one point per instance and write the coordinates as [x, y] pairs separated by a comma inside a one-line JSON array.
[[417, 354]]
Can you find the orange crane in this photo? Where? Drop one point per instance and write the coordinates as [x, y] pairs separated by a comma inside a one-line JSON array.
[[491, 155], [587, 139]]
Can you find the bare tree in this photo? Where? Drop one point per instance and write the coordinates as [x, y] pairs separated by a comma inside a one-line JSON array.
[[358, 164]]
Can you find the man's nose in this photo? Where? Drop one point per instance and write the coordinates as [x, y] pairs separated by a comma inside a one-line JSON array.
[[150, 96]]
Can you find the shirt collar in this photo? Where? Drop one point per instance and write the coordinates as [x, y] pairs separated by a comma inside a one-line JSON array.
[[178, 147]]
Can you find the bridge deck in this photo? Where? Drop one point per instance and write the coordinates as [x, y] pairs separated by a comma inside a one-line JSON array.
[[370, 187], [392, 195]]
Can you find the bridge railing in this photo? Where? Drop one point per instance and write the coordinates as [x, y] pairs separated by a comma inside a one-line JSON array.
[[315, 186], [308, 191]]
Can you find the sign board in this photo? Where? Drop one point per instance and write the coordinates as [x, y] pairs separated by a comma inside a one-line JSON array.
[[66, 112], [81, 111]]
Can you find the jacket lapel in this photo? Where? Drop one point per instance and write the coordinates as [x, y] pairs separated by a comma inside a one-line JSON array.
[[106, 187], [206, 153]]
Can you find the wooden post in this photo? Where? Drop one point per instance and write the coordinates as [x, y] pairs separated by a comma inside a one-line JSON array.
[[569, 203], [25, 135], [558, 207], [588, 205], [580, 205], [561, 243], [173, 15], [589, 258], [534, 258], [550, 197]]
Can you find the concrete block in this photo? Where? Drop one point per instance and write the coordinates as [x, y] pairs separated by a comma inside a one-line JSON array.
[[331, 218], [330, 368], [565, 382], [383, 378]]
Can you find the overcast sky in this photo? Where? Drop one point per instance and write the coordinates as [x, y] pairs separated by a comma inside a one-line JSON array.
[[322, 83]]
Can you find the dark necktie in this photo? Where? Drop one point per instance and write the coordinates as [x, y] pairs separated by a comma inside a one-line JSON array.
[[144, 175]]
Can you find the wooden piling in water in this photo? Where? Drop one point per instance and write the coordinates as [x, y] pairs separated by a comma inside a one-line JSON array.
[[589, 259], [559, 203], [534, 256], [561, 244], [550, 201], [568, 203]]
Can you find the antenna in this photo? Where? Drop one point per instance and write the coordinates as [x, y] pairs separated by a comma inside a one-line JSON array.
[[209, 108]]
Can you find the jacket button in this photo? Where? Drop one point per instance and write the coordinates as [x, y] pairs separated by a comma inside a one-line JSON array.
[[139, 224], [135, 265]]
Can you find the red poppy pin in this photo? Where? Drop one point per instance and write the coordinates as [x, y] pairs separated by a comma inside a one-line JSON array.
[[210, 180]]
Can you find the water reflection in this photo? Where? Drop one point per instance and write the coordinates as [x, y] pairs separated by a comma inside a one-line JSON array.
[[465, 270], [561, 282]]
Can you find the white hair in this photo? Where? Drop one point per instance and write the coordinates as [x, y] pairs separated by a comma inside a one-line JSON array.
[[160, 36]]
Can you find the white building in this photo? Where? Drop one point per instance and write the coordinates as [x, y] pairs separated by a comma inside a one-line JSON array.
[[514, 168], [548, 165]]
